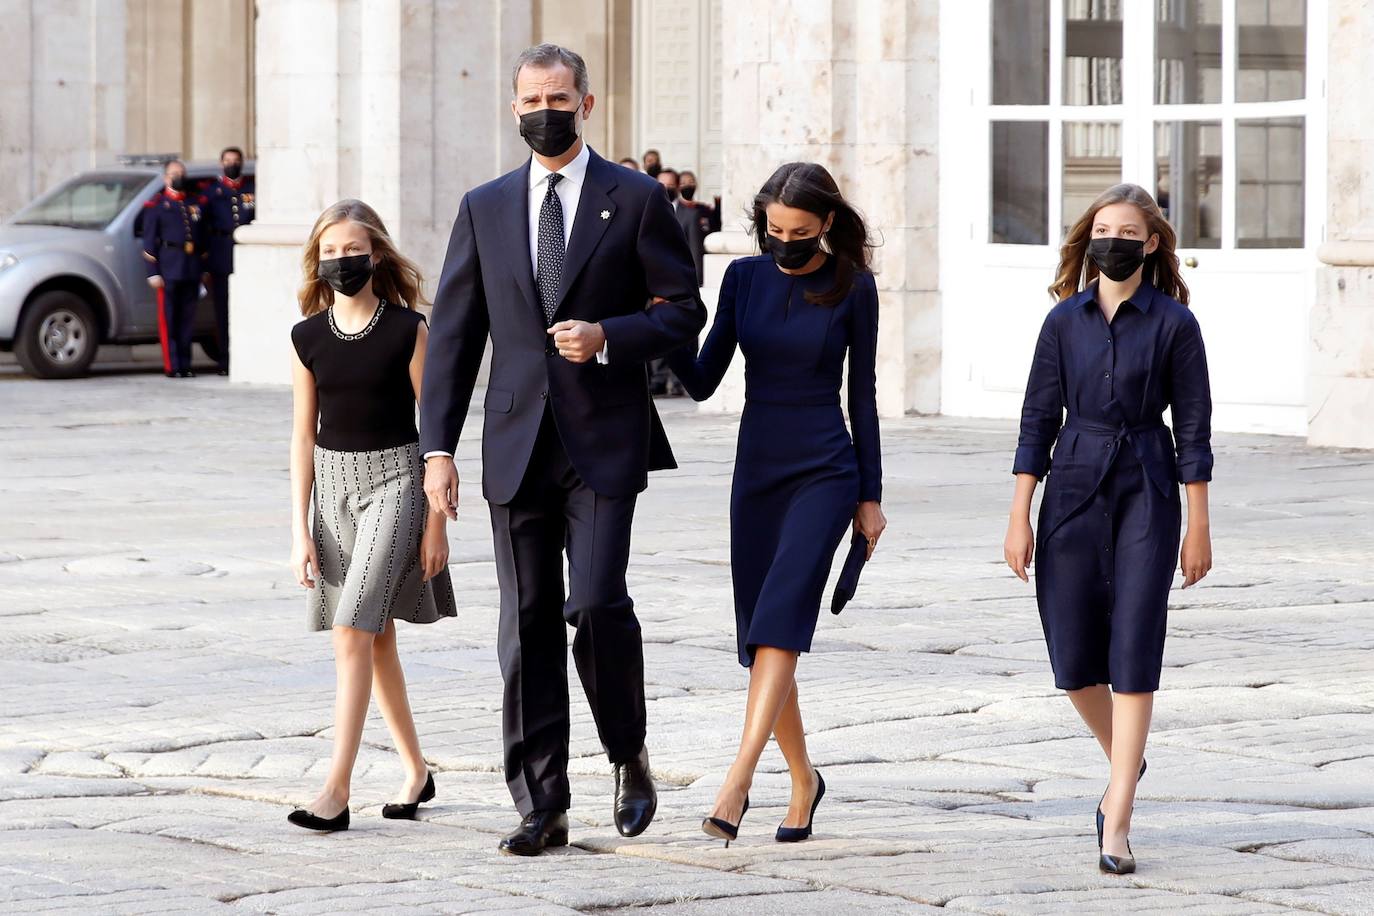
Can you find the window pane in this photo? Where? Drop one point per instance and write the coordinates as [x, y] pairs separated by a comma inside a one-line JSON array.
[[1270, 190], [1020, 183], [1020, 52], [1188, 180], [1272, 41], [1187, 51], [1092, 164], [1092, 52]]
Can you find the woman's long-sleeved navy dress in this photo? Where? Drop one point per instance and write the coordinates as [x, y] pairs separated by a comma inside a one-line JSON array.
[[1110, 515], [798, 476]]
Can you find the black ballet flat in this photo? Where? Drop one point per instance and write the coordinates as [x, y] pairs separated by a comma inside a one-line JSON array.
[[722, 829], [407, 812], [302, 818], [1101, 819], [797, 834]]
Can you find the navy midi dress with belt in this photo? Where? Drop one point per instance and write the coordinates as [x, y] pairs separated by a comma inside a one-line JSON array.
[[1110, 515], [799, 476]]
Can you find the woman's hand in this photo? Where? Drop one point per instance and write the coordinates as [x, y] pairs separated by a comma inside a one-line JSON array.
[[1019, 547], [434, 547], [305, 562], [1195, 559], [870, 522]]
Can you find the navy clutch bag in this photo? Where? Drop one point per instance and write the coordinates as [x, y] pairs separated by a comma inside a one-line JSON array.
[[849, 576]]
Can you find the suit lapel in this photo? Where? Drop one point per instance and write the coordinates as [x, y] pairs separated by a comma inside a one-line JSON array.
[[595, 210], [515, 233]]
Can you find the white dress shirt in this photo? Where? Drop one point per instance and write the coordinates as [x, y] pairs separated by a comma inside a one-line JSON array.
[[569, 192]]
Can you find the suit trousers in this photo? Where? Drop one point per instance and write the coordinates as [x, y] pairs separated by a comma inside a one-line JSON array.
[[178, 300], [554, 511]]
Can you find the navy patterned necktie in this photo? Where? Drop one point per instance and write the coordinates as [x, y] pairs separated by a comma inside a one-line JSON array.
[[549, 272]]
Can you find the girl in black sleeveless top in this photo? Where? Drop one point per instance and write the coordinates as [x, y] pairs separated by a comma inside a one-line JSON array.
[[374, 552]]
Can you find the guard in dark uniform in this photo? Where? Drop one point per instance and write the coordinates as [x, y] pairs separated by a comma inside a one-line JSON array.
[[228, 204], [174, 247]]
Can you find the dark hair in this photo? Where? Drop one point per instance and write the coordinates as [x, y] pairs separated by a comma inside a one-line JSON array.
[[808, 186], [654, 151], [1161, 265], [171, 162], [685, 172], [631, 160], [548, 55], [231, 149], [667, 171]]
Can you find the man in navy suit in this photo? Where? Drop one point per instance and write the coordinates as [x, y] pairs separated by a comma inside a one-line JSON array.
[[580, 274]]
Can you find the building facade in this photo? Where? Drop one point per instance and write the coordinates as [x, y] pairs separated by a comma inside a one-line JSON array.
[[971, 133]]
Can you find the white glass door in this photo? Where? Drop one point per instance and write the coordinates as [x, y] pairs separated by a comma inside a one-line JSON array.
[[1214, 106]]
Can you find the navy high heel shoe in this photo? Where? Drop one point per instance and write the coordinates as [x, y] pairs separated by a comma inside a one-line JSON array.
[[797, 834], [1101, 819], [722, 829]]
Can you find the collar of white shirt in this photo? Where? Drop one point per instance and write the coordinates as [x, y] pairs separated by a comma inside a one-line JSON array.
[[574, 171]]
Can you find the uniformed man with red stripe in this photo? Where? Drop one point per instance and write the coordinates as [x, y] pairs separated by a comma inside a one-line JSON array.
[[228, 204], [174, 247]]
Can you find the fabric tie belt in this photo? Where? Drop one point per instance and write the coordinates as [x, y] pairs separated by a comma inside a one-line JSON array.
[[1118, 433]]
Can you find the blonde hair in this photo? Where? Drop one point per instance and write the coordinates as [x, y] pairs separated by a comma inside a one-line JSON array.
[[395, 277], [1161, 266]]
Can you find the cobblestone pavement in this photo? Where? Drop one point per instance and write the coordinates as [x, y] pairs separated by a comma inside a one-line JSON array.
[[163, 704]]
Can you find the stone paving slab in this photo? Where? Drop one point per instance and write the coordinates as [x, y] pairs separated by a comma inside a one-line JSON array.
[[164, 706]]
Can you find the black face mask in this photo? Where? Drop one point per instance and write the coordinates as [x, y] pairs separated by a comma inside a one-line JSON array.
[[653, 170], [548, 131], [794, 254], [233, 171], [346, 275], [671, 192], [179, 183], [1117, 258], [689, 191]]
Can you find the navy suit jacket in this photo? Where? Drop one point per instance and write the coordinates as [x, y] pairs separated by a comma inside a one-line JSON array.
[[626, 249]]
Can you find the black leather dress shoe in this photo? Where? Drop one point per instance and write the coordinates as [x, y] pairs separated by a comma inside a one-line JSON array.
[[636, 801], [539, 830]]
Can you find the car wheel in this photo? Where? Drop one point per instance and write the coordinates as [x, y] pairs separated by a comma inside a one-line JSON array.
[[57, 336]]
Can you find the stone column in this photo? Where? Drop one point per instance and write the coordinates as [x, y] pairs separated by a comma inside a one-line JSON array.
[[62, 93], [1340, 388], [853, 85], [401, 103]]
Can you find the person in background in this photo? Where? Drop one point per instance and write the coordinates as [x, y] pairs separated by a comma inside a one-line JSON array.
[[687, 187], [228, 204], [174, 249], [630, 164], [687, 217], [653, 163]]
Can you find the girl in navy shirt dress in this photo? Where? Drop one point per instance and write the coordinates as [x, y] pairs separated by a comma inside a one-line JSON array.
[[1111, 357]]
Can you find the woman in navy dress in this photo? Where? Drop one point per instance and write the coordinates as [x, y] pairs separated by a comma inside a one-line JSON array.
[[800, 482], [1114, 356]]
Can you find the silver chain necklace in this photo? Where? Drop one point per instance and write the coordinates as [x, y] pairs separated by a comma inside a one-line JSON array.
[[376, 316]]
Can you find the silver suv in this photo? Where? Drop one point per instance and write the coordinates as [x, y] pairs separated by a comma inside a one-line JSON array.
[[72, 273]]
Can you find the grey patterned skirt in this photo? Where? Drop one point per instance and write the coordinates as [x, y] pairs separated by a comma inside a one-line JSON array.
[[369, 516]]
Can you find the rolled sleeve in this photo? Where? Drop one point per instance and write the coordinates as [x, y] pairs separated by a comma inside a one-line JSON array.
[[1191, 404], [1042, 412]]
